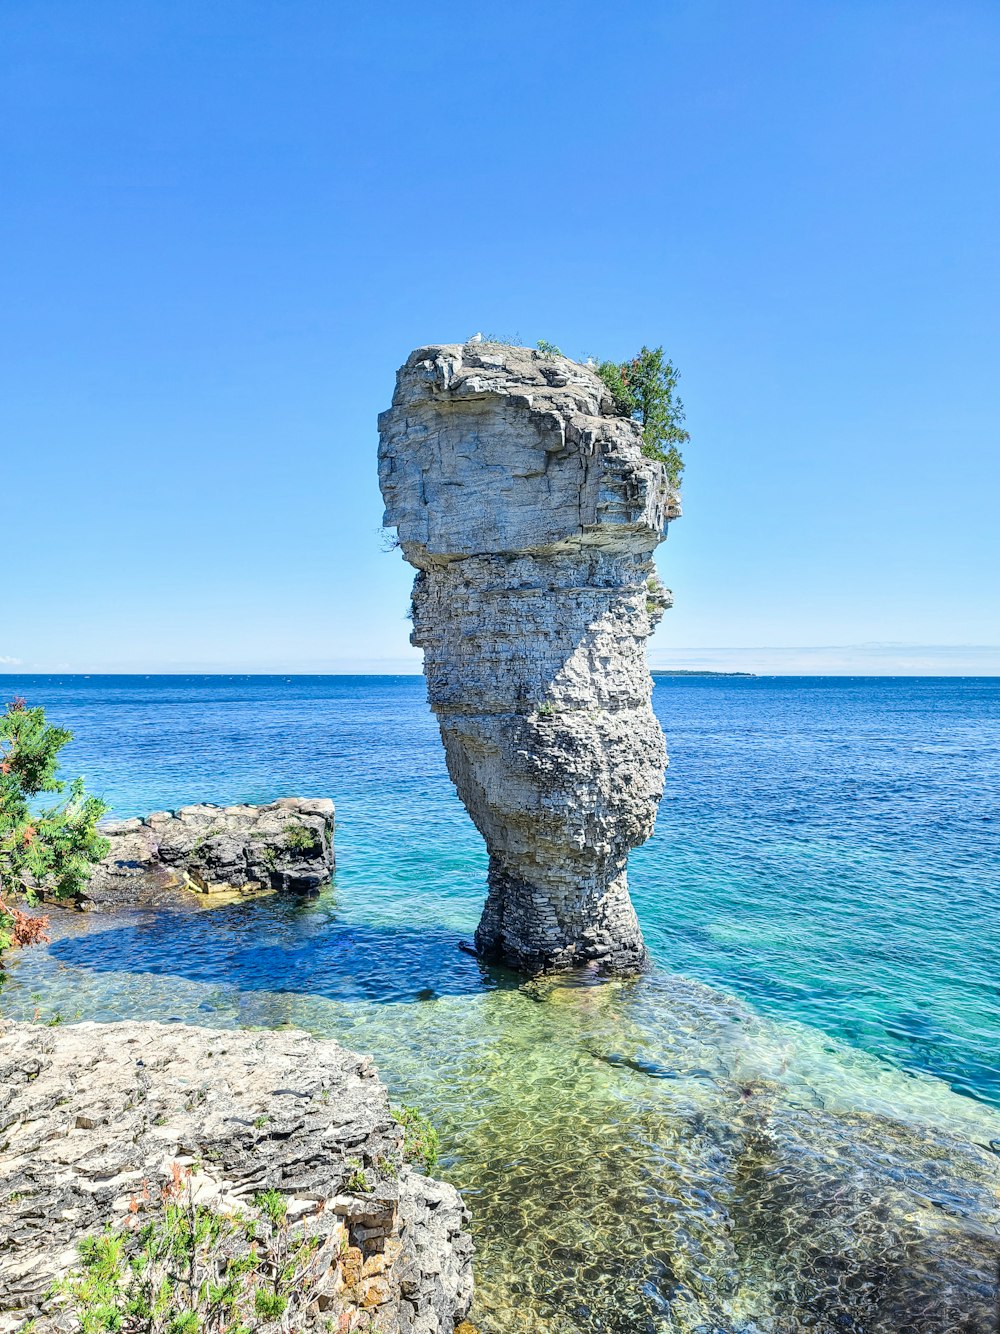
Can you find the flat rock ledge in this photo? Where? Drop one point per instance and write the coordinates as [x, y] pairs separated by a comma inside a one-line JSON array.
[[285, 845], [91, 1115]]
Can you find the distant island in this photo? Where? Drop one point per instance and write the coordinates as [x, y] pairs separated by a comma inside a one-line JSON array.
[[694, 671]]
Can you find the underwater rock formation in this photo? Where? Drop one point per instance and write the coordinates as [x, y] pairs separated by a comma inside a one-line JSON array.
[[97, 1119], [716, 1171], [287, 844], [531, 515]]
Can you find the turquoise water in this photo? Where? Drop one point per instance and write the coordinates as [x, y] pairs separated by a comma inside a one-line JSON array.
[[821, 902]]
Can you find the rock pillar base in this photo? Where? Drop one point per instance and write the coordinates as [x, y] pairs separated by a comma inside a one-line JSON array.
[[521, 926]]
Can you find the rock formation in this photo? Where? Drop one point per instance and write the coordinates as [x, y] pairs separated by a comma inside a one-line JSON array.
[[531, 515], [287, 845], [96, 1118]]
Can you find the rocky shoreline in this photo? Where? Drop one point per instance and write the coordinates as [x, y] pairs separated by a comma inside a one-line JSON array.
[[97, 1121], [105, 1127], [286, 845]]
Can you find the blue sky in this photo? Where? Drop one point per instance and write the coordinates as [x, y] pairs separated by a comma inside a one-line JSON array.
[[224, 225]]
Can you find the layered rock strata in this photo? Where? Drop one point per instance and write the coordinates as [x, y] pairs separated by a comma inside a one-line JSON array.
[[96, 1118], [531, 515], [287, 845]]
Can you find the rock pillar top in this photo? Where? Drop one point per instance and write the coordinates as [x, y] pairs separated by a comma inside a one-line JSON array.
[[496, 449]]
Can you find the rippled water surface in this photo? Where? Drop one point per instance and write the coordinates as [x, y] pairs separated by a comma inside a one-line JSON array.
[[789, 1124]]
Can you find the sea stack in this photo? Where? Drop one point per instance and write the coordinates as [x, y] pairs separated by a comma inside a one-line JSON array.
[[526, 505]]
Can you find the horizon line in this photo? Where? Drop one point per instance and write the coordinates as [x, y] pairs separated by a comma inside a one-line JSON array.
[[654, 671]]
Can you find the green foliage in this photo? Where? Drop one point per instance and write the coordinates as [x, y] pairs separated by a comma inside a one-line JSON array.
[[299, 838], [387, 1168], [272, 1204], [357, 1182], [178, 1267], [548, 349], [50, 850], [421, 1143], [658, 597], [269, 1305], [612, 375], [644, 388]]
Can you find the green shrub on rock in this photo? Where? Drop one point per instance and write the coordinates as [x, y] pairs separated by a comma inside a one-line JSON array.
[[421, 1143], [644, 388], [177, 1266], [299, 838], [42, 852]]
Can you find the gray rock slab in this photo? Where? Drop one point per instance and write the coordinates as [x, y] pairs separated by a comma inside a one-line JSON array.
[[89, 1113]]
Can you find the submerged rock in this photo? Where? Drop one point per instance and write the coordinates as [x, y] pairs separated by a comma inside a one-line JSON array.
[[96, 1119], [713, 1172], [531, 515], [286, 845]]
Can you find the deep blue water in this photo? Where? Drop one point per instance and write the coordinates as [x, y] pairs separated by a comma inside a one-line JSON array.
[[827, 849]]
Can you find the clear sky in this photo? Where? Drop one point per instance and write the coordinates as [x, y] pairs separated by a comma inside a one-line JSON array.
[[223, 225]]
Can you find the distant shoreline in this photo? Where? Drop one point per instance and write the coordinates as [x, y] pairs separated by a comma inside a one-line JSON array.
[[696, 671]]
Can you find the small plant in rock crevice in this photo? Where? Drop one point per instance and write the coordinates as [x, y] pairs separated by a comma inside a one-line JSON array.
[[387, 1168], [177, 1266], [657, 596], [202, 839], [357, 1182], [299, 839], [421, 1142]]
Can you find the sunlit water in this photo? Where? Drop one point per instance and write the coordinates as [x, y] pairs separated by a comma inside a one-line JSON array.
[[790, 1123]]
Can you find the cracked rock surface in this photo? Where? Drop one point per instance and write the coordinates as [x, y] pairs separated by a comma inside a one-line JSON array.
[[284, 845], [92, 1113], [531, 515]]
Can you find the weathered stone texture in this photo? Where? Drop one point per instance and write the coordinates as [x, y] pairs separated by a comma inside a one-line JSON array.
[[531, 515], [90, 1113], [287, 844]]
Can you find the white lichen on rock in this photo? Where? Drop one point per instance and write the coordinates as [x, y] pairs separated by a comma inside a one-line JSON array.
[[531, 515]]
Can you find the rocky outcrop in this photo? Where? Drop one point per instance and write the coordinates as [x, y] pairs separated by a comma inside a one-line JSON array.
[[287, 845], [95, 1120], [531, 515]]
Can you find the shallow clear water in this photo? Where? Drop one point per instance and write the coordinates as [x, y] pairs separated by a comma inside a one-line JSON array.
[[809, 1072]]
